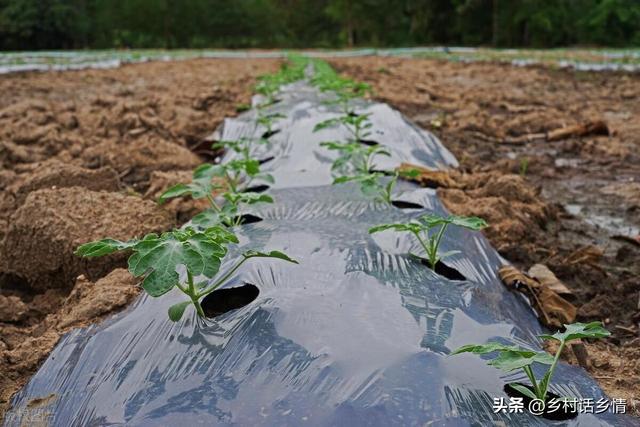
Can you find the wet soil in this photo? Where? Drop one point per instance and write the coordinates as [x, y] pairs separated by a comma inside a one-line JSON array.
[[85, 155], [571, 204]]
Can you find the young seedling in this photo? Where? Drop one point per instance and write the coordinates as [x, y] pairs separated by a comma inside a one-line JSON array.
[[242, 146], [229, 214], [326, 79], [267, 120], [356, 124], [354, 157], [208, 178], [292, 69], [356, 163], [159, 257], [422, 228], [509, 358]]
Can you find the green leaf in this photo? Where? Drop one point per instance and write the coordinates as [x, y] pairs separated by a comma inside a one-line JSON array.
[[248, 198], [201, 186], [159, 257], [268, 178], [485, 348], [272, 254], [432, 220], [470, 222], [524, 390], [409, 173], [410, 227], [576, 331], [207, 219], [103, 247], [516, 359], [177, 310], [175, 191], [509, 357], [221, 234], [448, 254], [326, 124]]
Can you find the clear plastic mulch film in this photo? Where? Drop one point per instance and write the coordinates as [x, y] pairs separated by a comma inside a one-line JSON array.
[[357, 334]]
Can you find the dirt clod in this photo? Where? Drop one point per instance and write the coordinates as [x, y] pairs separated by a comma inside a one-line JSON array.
[[45, 231], [26, 346]]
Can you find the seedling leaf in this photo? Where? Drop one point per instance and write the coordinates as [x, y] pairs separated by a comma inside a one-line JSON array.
[[177, 310], [579, 330], [103, 247], [524, 390], [272, 254]]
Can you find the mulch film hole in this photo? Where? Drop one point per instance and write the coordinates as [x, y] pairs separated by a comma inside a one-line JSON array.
[[445, 271], [270, 133], [265, 160], [222, 301], [248, 219], [401, 204], [256, 189], [563, 413], [368, 142]]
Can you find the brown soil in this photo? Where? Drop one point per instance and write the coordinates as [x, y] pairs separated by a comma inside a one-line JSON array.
[[45, 230], [84, 155], [574, 206]]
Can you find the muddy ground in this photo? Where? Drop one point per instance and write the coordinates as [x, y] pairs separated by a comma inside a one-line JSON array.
[[571, 204], [84, 154]]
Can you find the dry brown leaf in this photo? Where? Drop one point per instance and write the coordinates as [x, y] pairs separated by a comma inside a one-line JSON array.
[[542, 274], [553, 310], [586, 255]]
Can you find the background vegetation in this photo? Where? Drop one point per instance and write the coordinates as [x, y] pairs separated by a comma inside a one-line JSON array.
[[66, 24]]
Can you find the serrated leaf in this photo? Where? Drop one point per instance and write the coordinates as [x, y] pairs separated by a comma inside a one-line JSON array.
[[248, 198], [177, 310], [576, 331], [409, 226], [512, 360], [103, 247], [207, 219], [159, 258], [470, 222], [221, 234]]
